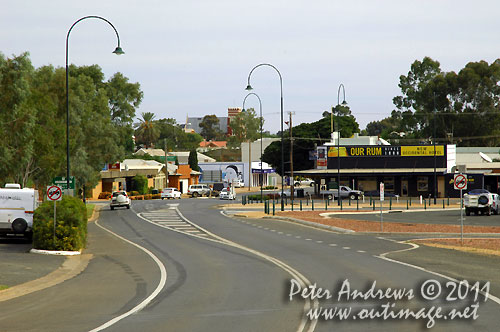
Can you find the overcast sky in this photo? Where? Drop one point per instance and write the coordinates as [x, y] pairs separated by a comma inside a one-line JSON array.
[[193, 57]]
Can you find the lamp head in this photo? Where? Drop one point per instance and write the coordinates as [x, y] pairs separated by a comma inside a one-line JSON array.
[[249, 87], [344, 103], [118, 51]]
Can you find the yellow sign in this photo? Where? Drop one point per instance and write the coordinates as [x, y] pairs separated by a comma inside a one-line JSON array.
[[419, 151], [332, 152]]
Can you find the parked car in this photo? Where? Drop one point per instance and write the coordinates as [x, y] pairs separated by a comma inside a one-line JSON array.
[[170, 193], [226, 194], [304, 182], [345, 192], [481, 201], [196, 190], [376, 193], [119, 198]]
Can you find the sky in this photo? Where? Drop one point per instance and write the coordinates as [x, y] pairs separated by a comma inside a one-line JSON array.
[[192, 58]]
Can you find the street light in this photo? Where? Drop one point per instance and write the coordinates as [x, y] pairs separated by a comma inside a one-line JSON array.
[[434, 141], [250, 161], [344, 103], [249, 87], [118, 50]]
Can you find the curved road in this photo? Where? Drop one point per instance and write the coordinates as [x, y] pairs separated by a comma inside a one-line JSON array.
[[215, 284]]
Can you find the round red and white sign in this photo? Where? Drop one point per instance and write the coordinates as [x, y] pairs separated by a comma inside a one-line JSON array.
[[54, 193], [460, 181]]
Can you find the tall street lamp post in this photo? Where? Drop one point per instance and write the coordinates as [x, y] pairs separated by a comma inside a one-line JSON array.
[[344, 103], [249, 147], [249, 87], [118, 50], [434, 141]]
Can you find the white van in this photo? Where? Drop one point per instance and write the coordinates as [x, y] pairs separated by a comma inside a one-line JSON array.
[[16, 209]]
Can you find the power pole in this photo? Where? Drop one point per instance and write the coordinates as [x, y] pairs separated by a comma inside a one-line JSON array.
[[292, 183], [166, 165]]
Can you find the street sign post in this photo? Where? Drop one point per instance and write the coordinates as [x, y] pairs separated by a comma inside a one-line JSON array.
[[54, 193], [381, 200], [460, 183]]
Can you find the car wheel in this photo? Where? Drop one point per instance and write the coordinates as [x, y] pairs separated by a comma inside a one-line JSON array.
[[311, 184], [128, 206], [330, 197], [112, 207], [162, 198], [353, 197], [297, 184], [467, 212], [195, 194]]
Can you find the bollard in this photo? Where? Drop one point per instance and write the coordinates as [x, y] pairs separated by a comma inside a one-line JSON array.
[[443, 203], [370, 200], [410, 200], [307, 201], [274, 208], [407, 204], [349, 200], [390, 203], [448, 200], [425, 204], [312, 204], [357, 204], [326, 205], [291, 203], [340, 203], [373, 205], [300, 205]]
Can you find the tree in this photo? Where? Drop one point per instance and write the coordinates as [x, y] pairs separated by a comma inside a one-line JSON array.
[[177, 138], [16, 119], [210, 127], [464, 103], [146, 131], [193, 160], [245, 127]]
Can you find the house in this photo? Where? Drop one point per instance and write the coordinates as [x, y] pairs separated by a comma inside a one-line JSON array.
[[211, 145]]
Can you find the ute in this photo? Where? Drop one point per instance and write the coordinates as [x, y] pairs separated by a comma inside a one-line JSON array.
[[480, 201]]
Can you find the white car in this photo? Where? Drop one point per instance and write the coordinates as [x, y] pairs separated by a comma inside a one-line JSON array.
[[119, 198], [226, 194], [304, 182], [170, 193]]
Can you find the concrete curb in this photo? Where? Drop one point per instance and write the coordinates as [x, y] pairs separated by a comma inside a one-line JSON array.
[[71, 267], [55, 252]]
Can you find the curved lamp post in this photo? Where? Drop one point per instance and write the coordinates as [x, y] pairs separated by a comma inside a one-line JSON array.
[[118, 50], [249, 87], [250, 161], [344, 103]]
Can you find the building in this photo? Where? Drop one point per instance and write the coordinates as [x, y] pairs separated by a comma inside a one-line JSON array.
[[193, 124], [211, 145], [182, 157], [231, 113], [269, 175]]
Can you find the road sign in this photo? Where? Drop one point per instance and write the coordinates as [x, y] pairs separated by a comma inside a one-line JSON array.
[[381, 191], [61, 182], [460, 181], [54, 193]]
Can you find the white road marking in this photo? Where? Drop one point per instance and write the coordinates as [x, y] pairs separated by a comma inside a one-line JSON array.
[[346, 248], [332, 245]]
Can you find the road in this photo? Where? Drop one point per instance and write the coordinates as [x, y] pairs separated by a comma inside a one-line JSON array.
[[230, 274]]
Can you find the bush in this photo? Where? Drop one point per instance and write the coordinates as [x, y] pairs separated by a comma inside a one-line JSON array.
[[104, 195], [148, 196], [134, 193], [156, 196], [140, 184], [257, 197], [71, 225], [270, 188]]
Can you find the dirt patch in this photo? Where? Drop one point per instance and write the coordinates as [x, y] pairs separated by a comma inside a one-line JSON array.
[[371, 226], [479, 246]]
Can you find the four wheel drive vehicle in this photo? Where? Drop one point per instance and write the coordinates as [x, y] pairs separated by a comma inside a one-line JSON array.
[[345, 192], [16, 210], [170, 193], [481, 201], [227, 193], [304, 182], [119, 198], [196, 190]]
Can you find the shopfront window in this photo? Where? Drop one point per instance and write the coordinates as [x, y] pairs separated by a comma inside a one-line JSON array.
[[423, 183]]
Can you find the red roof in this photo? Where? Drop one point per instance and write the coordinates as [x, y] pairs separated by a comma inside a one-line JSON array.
[[213, 144]]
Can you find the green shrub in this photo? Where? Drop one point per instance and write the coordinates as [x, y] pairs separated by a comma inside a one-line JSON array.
[[140, 184], [270, 188], [104, 195], [257, 197], [71, 225]]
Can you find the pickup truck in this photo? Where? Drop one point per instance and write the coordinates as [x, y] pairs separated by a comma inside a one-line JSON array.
[[481, 201], [345, 192]]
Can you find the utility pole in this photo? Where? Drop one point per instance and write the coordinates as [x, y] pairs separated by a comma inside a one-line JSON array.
[[292, 183], [166, 165]]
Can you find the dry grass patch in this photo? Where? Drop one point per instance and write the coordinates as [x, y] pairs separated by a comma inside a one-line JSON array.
[[480, 246]]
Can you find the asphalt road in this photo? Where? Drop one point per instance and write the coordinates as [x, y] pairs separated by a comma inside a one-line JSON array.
[[230, 274]]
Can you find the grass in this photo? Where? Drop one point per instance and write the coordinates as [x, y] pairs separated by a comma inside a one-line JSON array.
[[90, 210], [2, 287]]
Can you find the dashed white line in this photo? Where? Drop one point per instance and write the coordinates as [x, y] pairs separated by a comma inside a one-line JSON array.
[[308, 239], [332, 245], [319, 241], [346, 248], [361, 251]]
